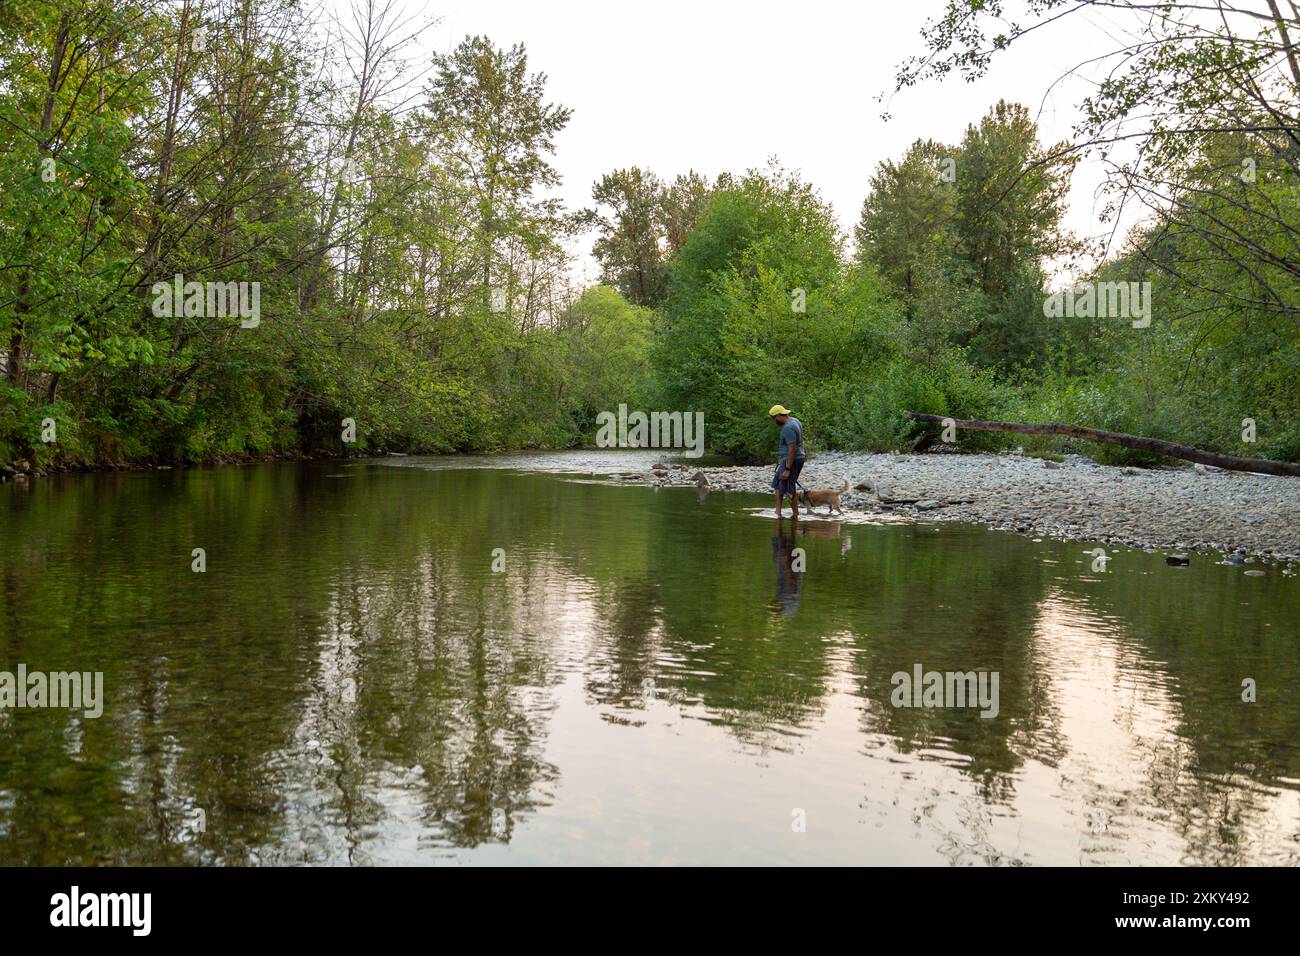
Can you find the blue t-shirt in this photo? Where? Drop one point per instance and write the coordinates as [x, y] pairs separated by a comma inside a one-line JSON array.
[[792, 434]]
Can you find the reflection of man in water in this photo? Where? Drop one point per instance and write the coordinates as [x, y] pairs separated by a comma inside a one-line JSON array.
[[788, 580]]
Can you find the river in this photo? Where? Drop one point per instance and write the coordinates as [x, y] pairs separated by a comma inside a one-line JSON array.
[[514, 659]]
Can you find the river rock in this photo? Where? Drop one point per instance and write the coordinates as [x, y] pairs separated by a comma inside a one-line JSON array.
[[1163, 510], [1177, 560]]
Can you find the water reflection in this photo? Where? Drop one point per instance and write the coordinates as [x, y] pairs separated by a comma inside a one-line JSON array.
[[789, 562], [351, 682]]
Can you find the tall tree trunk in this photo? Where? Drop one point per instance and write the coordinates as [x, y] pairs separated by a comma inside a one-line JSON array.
[[1286, 42]]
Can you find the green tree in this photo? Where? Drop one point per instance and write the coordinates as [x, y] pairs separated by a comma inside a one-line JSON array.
[[629, 247], [680, 206], [607, 345], [493, 130], [750, 291]]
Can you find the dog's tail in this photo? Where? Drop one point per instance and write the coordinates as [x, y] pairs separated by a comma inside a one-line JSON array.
[[845, 486]]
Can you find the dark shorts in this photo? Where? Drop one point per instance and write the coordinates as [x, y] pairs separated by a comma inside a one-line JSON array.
[[787, 487]]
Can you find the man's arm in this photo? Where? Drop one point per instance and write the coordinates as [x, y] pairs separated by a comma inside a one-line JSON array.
[[790, 449]]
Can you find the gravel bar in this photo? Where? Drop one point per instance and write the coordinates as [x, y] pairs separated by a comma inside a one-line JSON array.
[[1184, 509]]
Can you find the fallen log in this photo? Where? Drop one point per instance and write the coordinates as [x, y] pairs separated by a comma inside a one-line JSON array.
[[1156, 446]]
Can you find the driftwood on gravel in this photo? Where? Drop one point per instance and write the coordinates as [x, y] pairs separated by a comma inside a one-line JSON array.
[[1154, 445]]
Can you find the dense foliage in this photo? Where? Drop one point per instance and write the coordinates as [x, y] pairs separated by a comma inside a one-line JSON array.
[[411, 275], [1195, 121], [413, 272]]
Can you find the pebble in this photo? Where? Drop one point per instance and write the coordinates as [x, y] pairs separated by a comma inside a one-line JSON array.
[[1178, 508]]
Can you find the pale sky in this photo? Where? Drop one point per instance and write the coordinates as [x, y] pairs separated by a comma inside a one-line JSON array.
[[719, 85]]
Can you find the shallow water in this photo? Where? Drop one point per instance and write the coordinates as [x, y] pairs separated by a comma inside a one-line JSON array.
[[647, 681]]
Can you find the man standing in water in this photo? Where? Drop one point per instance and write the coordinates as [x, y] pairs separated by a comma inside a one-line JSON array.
[[785, 481]]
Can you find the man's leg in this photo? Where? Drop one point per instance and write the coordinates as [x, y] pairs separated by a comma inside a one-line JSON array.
[[794, 503], [778, 502]]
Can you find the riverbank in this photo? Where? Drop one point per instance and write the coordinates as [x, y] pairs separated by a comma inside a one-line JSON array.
[[24, 468], [29, 467], [1255, 517], [1181, 509]]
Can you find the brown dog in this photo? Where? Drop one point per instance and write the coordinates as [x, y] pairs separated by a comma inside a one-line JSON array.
[[830, 497]]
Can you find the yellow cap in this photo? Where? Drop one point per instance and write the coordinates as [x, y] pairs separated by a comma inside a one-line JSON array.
[[778, 410]]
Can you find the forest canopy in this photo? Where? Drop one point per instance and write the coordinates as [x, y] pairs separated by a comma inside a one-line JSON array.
[[414, 274]]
